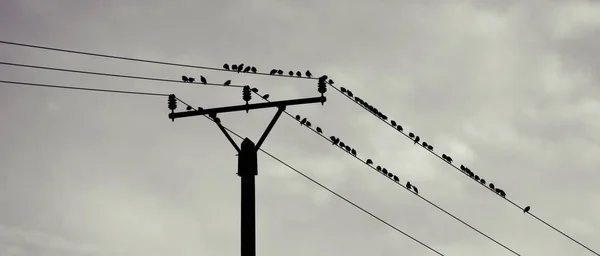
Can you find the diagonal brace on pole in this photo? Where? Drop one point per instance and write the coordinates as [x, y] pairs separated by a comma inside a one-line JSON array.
[[280, 110], [218, 122]]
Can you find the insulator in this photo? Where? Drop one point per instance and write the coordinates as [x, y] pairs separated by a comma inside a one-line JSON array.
[[322, 87], [246, 94], [172, 102]]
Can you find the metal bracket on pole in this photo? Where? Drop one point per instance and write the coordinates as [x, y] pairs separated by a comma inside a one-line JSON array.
[[270, 127], [218, 122]]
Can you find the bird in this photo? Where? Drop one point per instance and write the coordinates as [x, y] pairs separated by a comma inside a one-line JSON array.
[[369, 161], [492, 186], [319, 130], [240, 67], [291, 73], [384, 171], [234, 67], [266, 96], [408, 185], [396, 179], [188, 108], [273, 72], [399, 128], [303, 121], [353, 151], [298, 117], [425, 144], [526, 209], [343, 90], [430, 147], [330, 81], [184, 78], [308, 74], [280, 72], [298, 74], [417, 140], [462, 167], [482, 181], [410, 134], [308, 124], [378, 168], [226, 66], [228, 82], [416, 190], [253, 69], [255, 89], [350, 93], [347, 148], [191, 79], [247, 69], [393, 123], [203, 79]]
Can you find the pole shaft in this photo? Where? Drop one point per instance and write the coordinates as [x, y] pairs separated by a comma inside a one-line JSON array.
[[247, 170]]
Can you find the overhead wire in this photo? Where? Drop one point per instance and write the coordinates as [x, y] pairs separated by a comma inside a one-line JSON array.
[[83, 88], [357, 158], [267, 74]]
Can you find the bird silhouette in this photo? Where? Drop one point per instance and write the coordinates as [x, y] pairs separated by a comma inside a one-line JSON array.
[[399, 128], [430, 148], [330, 81], [378, 168], [462, 167], [298, 117], [254, 89], [417, 140], [390, 175], [416, 190], [408, 185], [384, 171], [342, 144], [410, 134], [203, 80], [308, 74], [226, 66], [273, 72], [253, 69], [343, 90], [266, 96], [425, 144], [353, 151], [393, 123], [280, 72], [298, 74], [303, 121], [240, 68], [247, 69], [482, 181], [188, 108], [191, 79], [477, 178], [492, 186], [319, 130], [347, 148], [291, 73], [184, 78], [308, 124], [228, 82], [369, 161], [526, 209], [396, 179], [350, 93], [234, 67]]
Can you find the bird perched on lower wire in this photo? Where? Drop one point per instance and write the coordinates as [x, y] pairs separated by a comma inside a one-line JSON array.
[[526, 209]]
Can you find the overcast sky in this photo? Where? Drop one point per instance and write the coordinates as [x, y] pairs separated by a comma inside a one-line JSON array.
[[507, 88]]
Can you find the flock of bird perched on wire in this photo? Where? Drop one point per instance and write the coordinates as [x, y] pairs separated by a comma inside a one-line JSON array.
[[336, 141]]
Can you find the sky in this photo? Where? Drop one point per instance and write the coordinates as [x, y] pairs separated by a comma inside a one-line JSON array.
[[508, 88]]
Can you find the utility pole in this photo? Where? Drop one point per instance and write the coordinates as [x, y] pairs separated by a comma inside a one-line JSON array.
[[247, 155]]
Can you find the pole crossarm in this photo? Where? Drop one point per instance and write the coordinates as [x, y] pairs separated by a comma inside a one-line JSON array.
[[213, 111]]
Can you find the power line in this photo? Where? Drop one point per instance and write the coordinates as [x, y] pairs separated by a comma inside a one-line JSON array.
[[84, 89], [400, 184], [362, 161], [237, 135], [219, 69], [113, 75]]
